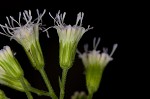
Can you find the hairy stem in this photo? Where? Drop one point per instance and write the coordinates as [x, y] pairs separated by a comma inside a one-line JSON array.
[[90, 96], [48, 84], [39, 92], [63, 81], [29, 95]]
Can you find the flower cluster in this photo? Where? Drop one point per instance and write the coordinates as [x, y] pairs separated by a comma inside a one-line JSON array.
[[27, 35]]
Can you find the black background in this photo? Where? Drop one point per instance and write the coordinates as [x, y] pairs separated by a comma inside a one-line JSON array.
[[111, 22]]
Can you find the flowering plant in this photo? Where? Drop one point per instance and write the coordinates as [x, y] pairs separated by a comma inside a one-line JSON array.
[[27, 35]]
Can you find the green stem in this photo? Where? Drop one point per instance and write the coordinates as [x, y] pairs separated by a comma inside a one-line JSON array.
[[29, 95], [90, 96], [63, 81], [38, 92], [48, 84]]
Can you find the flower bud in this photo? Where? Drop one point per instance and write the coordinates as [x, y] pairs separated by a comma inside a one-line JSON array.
[[2, 95], [9, 63], [79, 95], [27, 36], [69, 37], [94, 63], [10, 81]]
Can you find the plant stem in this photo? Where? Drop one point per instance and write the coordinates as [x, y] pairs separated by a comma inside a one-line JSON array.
[[38, 92], [48, 84], [63, 81], [90, 96], [29, 95]]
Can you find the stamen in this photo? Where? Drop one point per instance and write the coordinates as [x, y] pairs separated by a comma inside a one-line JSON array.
[[24, 17], [58, 18], [2, 28], [64, 16], [61, 18], [8, 22], [8, 29], [89, 28], [19, 17], [78, 18], [48, 28], [53, 19], [40, 16], [27, 16], [114, 48], [43, 13], [81, 18], [14, 20], [45, 30], [38, 12], [5, 34], [95, 45]]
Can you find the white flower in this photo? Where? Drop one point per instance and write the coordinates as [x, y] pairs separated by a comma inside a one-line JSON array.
[[94, 63], [95, 57], [27, 35], [68, 33], [9, 63], [69, 37]]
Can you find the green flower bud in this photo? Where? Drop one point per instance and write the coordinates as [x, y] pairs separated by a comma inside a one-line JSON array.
[[9, 63], [10, 70], [2, 95], [27, 36], [8, 80], [79, 95], [94, 63], [69, 37]]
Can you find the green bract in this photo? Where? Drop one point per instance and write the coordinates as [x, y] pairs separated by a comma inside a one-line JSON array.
[[10, 69], [2, 95], [9, 63]]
